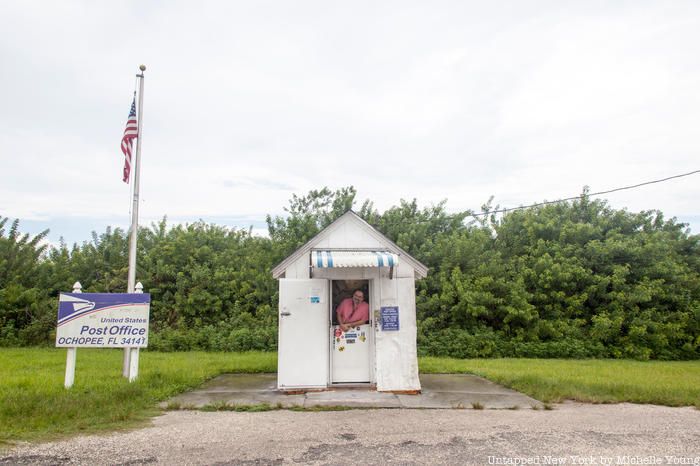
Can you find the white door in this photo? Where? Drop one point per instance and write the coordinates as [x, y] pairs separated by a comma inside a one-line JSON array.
[[350, 354], [302, 352]]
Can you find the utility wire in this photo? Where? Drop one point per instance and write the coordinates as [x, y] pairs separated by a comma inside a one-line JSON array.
[[470, 213], [500, 211]]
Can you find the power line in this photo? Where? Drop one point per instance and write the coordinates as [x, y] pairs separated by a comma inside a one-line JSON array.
[[500, 211], [469, 213]]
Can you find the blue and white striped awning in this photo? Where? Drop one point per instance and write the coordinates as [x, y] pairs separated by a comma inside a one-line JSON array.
[[330, 259]]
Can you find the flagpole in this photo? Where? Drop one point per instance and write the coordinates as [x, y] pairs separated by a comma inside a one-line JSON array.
[[129, 353], [135, 208]]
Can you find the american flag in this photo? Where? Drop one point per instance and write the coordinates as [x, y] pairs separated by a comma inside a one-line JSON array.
[[131, 132]]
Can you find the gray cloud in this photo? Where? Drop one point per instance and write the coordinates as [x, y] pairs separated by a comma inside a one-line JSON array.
[[251, 101]]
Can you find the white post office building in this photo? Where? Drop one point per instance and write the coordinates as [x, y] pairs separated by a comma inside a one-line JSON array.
[[314, 352]]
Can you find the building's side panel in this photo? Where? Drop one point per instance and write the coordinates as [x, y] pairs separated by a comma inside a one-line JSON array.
[[397, 362], [409, 355], [299, 268], [403, 270]]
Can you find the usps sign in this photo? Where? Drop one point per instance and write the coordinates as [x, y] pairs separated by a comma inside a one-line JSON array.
[[103, 320]]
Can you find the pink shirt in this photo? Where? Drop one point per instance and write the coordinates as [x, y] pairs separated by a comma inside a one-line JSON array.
[[347, 314]]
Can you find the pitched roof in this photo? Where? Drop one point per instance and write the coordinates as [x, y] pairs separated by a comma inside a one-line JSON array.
[[420, 270]]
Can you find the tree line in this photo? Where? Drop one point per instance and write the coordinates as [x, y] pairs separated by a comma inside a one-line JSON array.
[[574, 279]]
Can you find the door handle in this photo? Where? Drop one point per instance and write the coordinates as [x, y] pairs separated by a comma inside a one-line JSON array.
[[285, 313]]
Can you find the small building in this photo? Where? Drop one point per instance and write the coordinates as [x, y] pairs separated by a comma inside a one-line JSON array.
[[315, 352]]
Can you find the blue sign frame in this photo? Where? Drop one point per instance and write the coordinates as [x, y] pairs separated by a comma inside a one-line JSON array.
[[389, 318], [103, 320]]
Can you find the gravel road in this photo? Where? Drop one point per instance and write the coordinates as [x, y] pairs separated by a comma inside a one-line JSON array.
[[572, 433]]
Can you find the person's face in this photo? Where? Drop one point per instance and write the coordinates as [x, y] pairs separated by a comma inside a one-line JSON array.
[[358, 297]]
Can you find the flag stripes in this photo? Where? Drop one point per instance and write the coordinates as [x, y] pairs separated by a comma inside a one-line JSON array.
[[131, 132]]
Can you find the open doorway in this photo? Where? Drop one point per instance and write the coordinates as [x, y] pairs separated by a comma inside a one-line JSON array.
[[344, 289], [350, 331]]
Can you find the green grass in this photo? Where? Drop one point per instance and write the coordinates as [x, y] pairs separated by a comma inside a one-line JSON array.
[[35, 406], [224, 406], [670, 383]]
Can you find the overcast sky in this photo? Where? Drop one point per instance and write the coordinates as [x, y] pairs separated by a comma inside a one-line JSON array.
[[246, 103]]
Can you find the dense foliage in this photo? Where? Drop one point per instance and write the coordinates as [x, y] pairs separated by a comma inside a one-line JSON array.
[[573, 279]]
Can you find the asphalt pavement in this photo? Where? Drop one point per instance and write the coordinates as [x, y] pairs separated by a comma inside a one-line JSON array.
[[571, 434], [457, 419]]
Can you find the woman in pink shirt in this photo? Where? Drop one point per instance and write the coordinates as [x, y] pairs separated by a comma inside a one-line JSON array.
[[353, 311]]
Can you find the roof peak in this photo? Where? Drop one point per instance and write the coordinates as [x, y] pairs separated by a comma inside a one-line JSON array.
[[420, 269]]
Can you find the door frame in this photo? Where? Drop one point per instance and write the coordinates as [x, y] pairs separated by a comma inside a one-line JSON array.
[[371, 349]]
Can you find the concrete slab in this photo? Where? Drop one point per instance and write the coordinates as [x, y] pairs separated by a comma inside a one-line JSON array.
[[431, 400], [238, 390], [352, 399], [200, 399], [439, 391], [459, 391]]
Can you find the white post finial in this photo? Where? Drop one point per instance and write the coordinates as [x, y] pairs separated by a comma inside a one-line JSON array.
[[77, 287], [138, 288]]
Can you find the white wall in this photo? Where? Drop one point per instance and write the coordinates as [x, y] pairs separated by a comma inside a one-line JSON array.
[[397, 362]]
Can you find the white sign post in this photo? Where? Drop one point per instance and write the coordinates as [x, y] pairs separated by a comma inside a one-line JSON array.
[[72, 351], [102, 320]]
